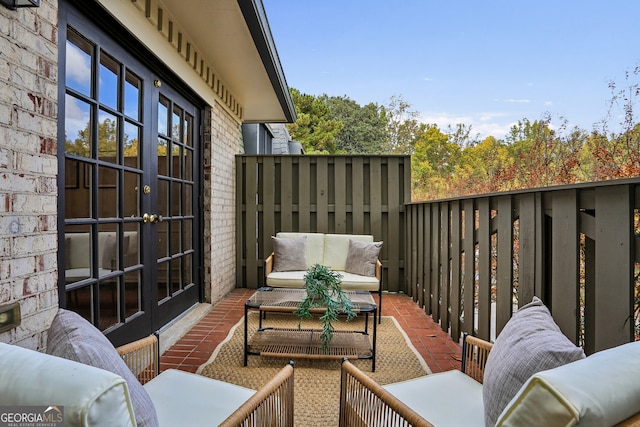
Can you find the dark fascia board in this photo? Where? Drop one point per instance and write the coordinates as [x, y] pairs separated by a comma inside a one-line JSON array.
[[256, 19]]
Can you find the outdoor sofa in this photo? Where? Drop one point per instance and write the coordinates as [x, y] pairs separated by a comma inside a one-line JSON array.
[[353, 256], [532, 376], [90, 383]]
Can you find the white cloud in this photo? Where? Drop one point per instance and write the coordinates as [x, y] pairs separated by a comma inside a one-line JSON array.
[[517, 101], [483, 124], [548, 103], [428, 79], [78, 65]]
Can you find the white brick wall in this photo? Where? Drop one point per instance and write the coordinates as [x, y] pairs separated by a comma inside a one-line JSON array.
[[223, 140], [28, 169]]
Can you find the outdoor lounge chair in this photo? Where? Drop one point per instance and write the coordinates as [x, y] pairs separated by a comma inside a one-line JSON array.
[[181, 398], [89, 383], [591, 391]]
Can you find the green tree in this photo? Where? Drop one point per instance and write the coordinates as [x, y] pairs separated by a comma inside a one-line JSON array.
[[364, 128], [315, 127], [402, 125]]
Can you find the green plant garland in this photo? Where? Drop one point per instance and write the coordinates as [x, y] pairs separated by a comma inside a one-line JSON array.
[[324, 290]]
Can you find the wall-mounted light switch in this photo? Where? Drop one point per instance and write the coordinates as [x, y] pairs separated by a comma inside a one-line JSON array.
[[9, 316]]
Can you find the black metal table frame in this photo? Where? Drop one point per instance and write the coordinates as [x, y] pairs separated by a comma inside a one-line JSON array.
[[366, 309]]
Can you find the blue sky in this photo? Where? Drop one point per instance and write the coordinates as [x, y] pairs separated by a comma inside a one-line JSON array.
[[486, 64]]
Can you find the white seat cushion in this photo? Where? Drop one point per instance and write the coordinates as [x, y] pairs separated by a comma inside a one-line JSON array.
[[184, 399], [355, 282], [445, 399], [286, 279]]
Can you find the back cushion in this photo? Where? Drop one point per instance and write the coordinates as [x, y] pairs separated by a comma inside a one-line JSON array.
[[336, 248], [88, 396], [529, 343], [601, 390], [72, 337], [314, 245]]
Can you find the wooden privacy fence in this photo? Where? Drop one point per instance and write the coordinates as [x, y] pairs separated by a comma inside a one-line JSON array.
[[326, 194], [471, 261]]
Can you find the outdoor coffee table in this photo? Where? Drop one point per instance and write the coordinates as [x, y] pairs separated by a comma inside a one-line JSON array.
[[307, 343]]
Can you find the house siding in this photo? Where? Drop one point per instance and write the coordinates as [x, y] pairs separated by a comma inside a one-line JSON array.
[[28, 169]]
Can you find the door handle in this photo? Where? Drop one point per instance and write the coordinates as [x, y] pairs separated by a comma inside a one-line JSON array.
[[152, 218]]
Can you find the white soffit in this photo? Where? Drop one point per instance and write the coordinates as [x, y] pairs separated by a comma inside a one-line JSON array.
[[224, 44]]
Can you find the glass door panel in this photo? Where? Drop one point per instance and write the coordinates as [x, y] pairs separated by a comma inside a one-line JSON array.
[[103, 272]]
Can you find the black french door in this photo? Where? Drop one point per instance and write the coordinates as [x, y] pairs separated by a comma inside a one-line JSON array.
[[128, 210]]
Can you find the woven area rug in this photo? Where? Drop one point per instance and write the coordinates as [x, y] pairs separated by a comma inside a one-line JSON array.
[[317, 382]]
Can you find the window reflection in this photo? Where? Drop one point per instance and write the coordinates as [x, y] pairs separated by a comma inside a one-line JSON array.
[[163, 111], [108, 137], [76, 127], [108, 78], [79, 54], [131, 143], [176, 121], [132, 96]]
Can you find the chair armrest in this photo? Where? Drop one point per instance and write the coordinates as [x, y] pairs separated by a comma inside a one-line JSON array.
[[362, 400], [273, 401], [633, 421], [142, 357], [475, 352], [379, 270], [268, 264]]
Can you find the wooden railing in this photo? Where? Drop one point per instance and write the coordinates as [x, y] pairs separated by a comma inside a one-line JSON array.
[[472, 261]]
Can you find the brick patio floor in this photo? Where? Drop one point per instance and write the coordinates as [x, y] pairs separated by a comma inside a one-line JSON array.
[[197, 345]]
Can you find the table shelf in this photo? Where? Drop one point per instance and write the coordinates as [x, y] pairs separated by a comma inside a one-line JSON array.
[[307, 343]]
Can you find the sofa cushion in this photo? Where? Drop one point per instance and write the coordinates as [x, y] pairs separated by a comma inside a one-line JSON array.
[[362, 257], [72, 337], [314, 246], [445, 399], [357, 282], [89, 397], [286, 279], [596, 391], [336, 249], [530, 342], [289, 254]]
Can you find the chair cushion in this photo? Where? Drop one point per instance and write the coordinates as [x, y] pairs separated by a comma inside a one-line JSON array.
[[362, 257], [336, 248], [289, 254], [314, 246], [185, 399], [86, 396], [72, 337], [445, 399], [600, 390], [529, 343]]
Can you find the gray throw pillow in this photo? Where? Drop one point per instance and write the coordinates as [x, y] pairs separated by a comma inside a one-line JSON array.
[[529, 343], [72, 337], [290, 254], [362, 257]]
